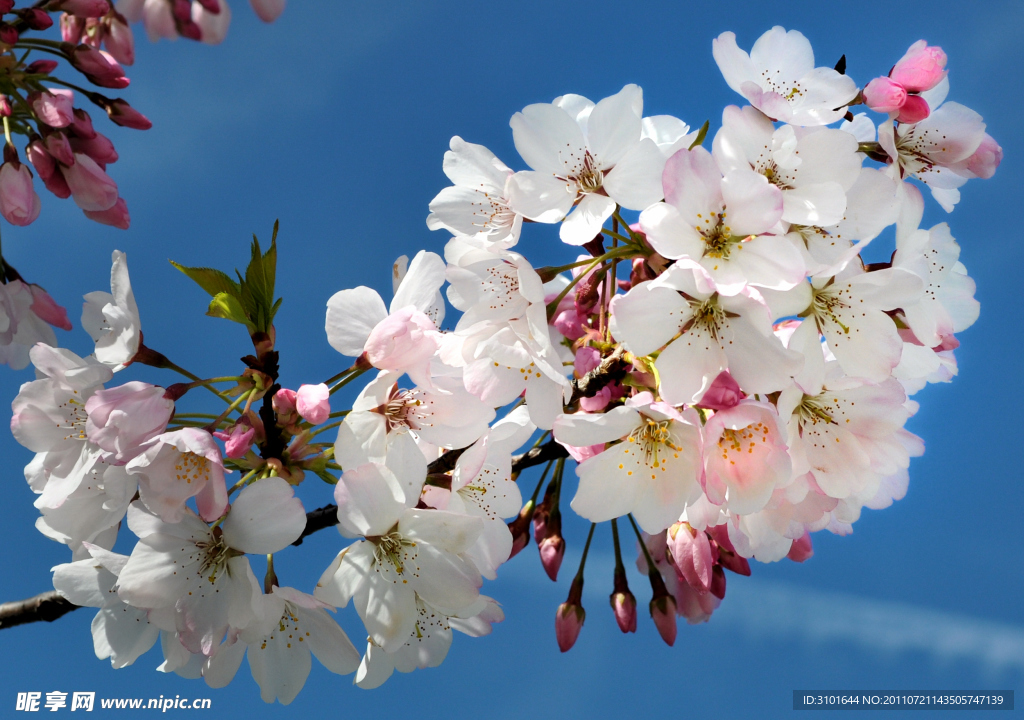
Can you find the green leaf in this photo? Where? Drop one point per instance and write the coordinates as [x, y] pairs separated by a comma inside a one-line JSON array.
[[701, 134], [211, 280], [224, 305]]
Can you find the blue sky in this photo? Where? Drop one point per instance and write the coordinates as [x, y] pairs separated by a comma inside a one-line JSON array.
[[336, 123]]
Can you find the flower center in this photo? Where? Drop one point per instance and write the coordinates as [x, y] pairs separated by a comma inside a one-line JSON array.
[[812, 409], [216, 554], [75, 418], [191, 467], [708, 317], [718, 237], [389, 549], [736, 441], [652, 438], [828, 303], [590, 178]]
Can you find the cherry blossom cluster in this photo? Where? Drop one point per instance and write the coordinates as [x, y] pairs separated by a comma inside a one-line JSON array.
[[39, 102], [724, 370]]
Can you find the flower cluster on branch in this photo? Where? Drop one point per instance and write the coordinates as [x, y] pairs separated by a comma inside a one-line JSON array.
[[725, 372]]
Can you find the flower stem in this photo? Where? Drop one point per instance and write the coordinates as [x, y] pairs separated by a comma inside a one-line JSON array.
[[346, 380], [651, 568], [586, 549]]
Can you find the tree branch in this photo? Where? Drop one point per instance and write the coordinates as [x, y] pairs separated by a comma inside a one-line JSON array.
[[46, 606], [49, 606]]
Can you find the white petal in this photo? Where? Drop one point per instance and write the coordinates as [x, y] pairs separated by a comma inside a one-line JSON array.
[[585, 222], [635, 182], [265, 518], [370, 500], [613, 127], [351, 316]]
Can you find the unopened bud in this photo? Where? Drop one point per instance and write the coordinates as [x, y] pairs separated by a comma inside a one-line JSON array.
[[662, 607], [520, 529], [36, 19], [802, 549], [623, 602], [8, 35], [41, 67], [552, 550], [691, 555], [568, 623], [5, 106]]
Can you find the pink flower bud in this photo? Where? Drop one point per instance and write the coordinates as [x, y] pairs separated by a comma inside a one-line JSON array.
[[8, 35], [71, 28], [663, 613], [99, 66], [36, 19], [284, 406], [212, 6], [598, 402], [6, 6], [98, 147], [884, 95], [19, 202], [118, 38], [921, 68], [54, 107], [723, 393], [587, 358], [82, 125], [267, 10], [568, 623], [520, 529], [691, 555], [915, 109], [5, 106], [984, 161], [313, 403], [115, 216], [552, 550], [41, 67], [212, 25], [802, 549], [91, 188], [727, 555], [59, 147], [47, 309], [238, 439], [84, 8], [47, 168], [123, 114], [624, 607], [718, 582]]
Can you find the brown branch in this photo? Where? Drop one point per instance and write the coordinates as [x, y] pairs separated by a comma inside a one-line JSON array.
[[49, 606], [614, 367], [46, 606]]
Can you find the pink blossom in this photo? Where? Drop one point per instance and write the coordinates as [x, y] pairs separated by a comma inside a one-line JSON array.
[[723, 393], [41, 67], [402, 340], [54, 107], [115, 216], [691, 555], [36, 19], [238, 439], [746, 456], [19, 202], [47, 309], [179, 465], [921, 68], [802, 548], [91, 187], [983, 162], [313, 403], [568, 623], [914, 110], [267, 10], [884, 95], [123, 114], [694, 606], [123, 418], [727, 555]]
